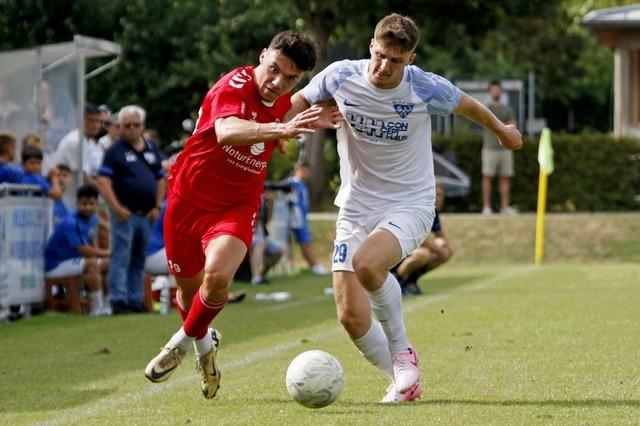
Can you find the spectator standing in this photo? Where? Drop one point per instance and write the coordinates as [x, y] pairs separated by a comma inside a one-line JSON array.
[[496, 159], [132, 184], [113, 132], [68, 150], [71, 249], [300, 208]]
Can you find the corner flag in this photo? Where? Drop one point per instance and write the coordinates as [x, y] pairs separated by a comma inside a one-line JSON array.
[[545, 158], [545, 152]]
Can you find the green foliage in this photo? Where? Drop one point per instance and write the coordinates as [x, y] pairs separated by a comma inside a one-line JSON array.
[[592, 172]]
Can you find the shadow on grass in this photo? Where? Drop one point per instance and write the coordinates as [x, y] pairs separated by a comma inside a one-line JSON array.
[[61, 399], [434, 286]]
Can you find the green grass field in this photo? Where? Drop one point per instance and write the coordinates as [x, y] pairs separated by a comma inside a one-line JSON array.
[[512, 344]]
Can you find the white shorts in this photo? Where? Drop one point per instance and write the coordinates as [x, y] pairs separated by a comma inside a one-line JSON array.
[[410, 225], [156, 264], [67, 268]]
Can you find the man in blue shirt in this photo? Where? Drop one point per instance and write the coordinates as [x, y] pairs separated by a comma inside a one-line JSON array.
[[70, 250], [132, 184]]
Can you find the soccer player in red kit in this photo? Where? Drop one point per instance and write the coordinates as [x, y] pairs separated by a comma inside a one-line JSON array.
[[215, 188]]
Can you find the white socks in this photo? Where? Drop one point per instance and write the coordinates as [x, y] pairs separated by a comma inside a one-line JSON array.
[[202, 346], [96, 301], [374, 347], [386, 303]]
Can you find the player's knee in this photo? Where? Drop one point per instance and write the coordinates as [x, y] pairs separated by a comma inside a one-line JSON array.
[[90, 265], [216, 280], [364, 269], [351, 321]]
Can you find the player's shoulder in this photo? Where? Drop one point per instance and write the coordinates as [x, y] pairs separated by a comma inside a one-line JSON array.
[[427, 84], [240, 79], [346, 68]]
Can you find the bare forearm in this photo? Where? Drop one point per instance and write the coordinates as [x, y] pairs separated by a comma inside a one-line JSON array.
[[161, 191], [236, 131], [473, 110]]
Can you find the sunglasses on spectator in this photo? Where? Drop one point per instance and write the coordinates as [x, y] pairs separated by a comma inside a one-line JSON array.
[[130, 125]]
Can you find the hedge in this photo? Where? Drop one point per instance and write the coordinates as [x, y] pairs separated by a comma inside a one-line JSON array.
[[592, 172]]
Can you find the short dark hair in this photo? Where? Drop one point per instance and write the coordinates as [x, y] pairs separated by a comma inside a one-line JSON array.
[[495, 82], [87, 191], [91, 109], [63, 168], [6, 139], [29, 152], [297, 47], [397, 31]]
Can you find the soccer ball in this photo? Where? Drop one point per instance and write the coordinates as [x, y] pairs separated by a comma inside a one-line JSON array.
[[314, 379]]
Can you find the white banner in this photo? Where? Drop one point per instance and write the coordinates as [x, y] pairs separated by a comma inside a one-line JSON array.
[[25, 224]]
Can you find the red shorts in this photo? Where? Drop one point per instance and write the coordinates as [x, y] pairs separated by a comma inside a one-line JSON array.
[[188, 230]]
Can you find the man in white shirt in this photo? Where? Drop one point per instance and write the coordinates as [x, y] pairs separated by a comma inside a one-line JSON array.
[[387, 194], [68, 152]]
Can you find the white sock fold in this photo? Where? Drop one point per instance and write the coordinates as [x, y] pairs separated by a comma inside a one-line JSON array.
[[181, 339], [204, 345], [386, 304], [373, 345]]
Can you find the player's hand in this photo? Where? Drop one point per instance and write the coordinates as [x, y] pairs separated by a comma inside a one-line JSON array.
[[329, 118], [510, 137], [153, 214]]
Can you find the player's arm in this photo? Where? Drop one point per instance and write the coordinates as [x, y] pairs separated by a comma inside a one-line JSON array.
[[237, 131], [508, 134]]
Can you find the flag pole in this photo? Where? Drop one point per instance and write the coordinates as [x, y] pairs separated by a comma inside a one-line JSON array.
[[542, 206], [545, 158]]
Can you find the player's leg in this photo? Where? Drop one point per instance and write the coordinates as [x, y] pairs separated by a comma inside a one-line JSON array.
[[396, 235], [354, 312], [91, 279], [489, 165]]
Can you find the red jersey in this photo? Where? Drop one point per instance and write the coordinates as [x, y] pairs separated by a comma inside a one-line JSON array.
[[211, 176]]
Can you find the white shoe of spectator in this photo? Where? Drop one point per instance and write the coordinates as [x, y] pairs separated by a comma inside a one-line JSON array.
[[319, 270], [509, 211], [102, 311], [487, 211]]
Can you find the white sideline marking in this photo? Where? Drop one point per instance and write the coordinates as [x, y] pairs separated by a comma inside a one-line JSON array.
[[151, 390]]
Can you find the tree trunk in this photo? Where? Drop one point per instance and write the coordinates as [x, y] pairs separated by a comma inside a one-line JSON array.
[[319, 21]]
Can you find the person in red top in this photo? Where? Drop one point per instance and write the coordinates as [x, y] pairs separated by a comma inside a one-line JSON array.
[[215, 188]]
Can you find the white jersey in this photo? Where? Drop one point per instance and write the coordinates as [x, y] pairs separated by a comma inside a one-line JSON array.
[[385, 146]]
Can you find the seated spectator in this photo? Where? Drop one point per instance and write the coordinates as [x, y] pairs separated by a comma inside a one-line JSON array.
[[299, 223], [64, 178], [70, 250], [34, 140], [8, 173], [32, 166], [433, 252]]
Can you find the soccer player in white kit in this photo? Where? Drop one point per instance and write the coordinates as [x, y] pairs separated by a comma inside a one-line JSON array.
[[387, 194]]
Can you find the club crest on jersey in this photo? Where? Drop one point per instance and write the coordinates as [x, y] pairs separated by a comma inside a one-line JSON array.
[[257, 149], [403, 108]]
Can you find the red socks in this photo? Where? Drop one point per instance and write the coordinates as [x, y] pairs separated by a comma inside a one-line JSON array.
[[200, 315]]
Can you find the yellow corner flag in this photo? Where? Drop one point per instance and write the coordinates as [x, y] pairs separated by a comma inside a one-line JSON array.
[[545, 158]]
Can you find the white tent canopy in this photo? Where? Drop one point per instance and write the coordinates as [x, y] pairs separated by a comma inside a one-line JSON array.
[[42, 89]]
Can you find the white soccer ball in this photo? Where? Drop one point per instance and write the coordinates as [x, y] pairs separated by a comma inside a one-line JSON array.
[[315, 379]]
